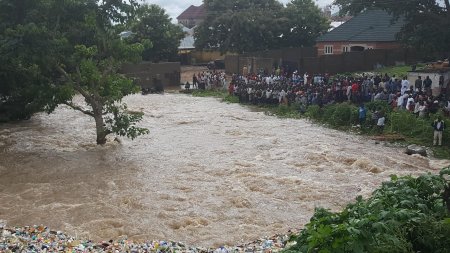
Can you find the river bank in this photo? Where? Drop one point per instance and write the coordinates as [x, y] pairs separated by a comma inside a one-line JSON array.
[[43, 239], [402, 128]]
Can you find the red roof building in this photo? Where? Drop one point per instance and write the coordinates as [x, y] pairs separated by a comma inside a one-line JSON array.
[[192, 16]]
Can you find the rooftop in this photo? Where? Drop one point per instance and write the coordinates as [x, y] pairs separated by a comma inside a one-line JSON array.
[[371, 25], [193, 12]]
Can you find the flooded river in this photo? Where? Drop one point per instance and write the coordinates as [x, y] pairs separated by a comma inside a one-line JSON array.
[[209, 173]]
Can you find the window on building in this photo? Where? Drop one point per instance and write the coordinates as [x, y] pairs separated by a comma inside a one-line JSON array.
[[328, 49], [345, 49]]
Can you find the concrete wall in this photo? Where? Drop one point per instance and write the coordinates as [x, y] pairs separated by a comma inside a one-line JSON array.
[[338, 46], [239, 64], [153, 75], [192, 57], [311, 63], [287, 54], [205, 56]]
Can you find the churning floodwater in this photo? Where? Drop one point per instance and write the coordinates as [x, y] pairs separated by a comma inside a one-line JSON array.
[[208, 174]]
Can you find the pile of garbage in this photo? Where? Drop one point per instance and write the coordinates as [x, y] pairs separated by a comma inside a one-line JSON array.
[[42, 239]]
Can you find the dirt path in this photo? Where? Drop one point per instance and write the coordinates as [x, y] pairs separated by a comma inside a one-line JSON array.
[[188, 71]]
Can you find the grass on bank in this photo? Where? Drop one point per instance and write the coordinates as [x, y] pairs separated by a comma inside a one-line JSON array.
[[399, 71], [217, 94]]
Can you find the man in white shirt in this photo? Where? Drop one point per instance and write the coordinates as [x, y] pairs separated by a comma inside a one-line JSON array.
[[281, 96], [349, 93], [405, 85]]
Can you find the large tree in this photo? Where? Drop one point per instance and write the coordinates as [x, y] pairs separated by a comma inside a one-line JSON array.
[[240, 25], [161, 38], [304, 23], [52, 50], [26, 46], [427, 25], [253, 25]]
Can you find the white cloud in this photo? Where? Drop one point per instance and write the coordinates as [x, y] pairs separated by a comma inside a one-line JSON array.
[[176, 7]]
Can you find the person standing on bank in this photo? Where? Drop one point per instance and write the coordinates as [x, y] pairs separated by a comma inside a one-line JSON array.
[[194, 81], [418, 84], [438, 126], [362, 112], [381, 122]]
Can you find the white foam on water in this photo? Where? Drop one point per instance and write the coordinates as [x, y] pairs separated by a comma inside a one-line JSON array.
[[209, 173]]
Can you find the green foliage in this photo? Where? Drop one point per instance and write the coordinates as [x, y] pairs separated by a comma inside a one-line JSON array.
[[303, 23], [377, 105], [417, 130], [284, 111], [209, 93], [245, 26], [336, 115], [216, 93], [408, 124], [345, 115], [153, 28], [426, 21], [405, 215], [123, 123], [314, 112], [231, 99], [26, 85], [398, 71], [51, 50]]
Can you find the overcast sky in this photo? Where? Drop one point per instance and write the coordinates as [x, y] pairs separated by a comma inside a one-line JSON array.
[[176, 7]]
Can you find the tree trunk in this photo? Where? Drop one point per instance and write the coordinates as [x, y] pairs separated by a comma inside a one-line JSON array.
[[101, 131], [99, 123]]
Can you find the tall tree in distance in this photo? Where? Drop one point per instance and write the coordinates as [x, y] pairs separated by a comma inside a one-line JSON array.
[[153, 28], [427, 26], [304, 23], [253, 25], [240, 25]]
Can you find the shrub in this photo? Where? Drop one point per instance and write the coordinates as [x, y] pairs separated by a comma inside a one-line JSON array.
[[405, 215], [285, 111], [345, 115], [375, 105], [328, 112], [314, 112], [231, 99], [407, 124]]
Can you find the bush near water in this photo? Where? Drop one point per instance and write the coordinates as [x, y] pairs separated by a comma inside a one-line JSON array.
[[405, 215]]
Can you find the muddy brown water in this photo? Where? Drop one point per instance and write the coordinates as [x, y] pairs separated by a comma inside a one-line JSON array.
[[208, 174]]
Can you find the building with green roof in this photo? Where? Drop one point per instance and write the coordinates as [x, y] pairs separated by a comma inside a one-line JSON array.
[[372, 29]]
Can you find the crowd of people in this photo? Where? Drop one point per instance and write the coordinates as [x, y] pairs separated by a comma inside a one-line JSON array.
[[305, 90], [323, 89], [207, 80]]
